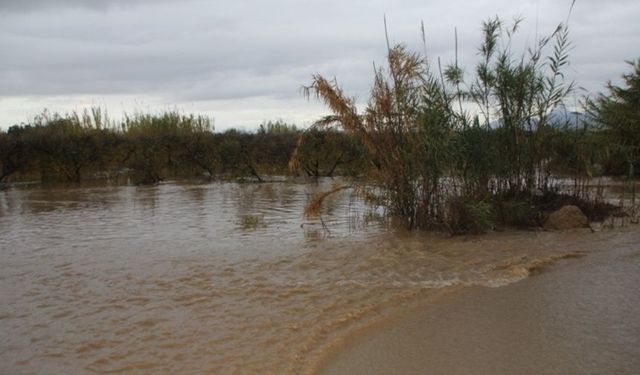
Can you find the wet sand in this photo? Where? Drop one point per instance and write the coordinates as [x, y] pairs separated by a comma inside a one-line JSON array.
[[578, 316]]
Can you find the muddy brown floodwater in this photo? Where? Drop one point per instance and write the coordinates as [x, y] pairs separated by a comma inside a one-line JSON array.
[[576, 316], [225, 277]]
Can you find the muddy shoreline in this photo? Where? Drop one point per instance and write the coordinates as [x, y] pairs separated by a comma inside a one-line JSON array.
[[573, 316]]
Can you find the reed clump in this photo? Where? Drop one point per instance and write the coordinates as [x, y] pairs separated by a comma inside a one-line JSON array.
[[460, 153]]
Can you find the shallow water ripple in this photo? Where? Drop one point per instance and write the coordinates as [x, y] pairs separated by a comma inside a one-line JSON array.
[[166, 279]]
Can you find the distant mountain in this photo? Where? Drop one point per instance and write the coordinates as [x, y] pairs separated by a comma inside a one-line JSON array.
[[560, 118]]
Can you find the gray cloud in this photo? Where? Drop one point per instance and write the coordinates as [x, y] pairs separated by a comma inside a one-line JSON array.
[[39, 5], [199, 51]]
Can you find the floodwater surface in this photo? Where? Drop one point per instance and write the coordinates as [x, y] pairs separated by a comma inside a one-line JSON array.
[[223, 277], [578, 316]]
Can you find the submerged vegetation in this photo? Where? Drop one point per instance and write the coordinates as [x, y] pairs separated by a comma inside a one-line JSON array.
[[252, 222], [468, 153], [149, 148], [436, 147]]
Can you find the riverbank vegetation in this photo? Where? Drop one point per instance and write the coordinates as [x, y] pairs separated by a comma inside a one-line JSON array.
[[467, 152], [149, 148], [436, 146]]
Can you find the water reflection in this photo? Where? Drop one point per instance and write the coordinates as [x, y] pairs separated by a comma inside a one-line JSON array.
[[145, 198]]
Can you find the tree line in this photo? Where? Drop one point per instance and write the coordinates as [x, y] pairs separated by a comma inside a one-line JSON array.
[[149, 148], [152, 147]]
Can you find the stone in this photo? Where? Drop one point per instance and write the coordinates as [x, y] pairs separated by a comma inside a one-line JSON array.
[[567, 217]]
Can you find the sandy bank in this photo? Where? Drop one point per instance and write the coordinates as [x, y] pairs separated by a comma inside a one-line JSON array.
[[580, 316]]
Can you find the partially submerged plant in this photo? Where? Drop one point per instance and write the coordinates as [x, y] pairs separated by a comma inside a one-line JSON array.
[[314, 206], [425, 149], [405, 129], [251, 222]]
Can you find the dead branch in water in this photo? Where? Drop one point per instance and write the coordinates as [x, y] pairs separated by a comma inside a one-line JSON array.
[[313, 208]]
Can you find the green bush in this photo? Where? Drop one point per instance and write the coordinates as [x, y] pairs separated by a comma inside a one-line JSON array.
[[466, 216]]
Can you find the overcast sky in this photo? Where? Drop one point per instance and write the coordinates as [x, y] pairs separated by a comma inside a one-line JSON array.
[[243, 62]]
